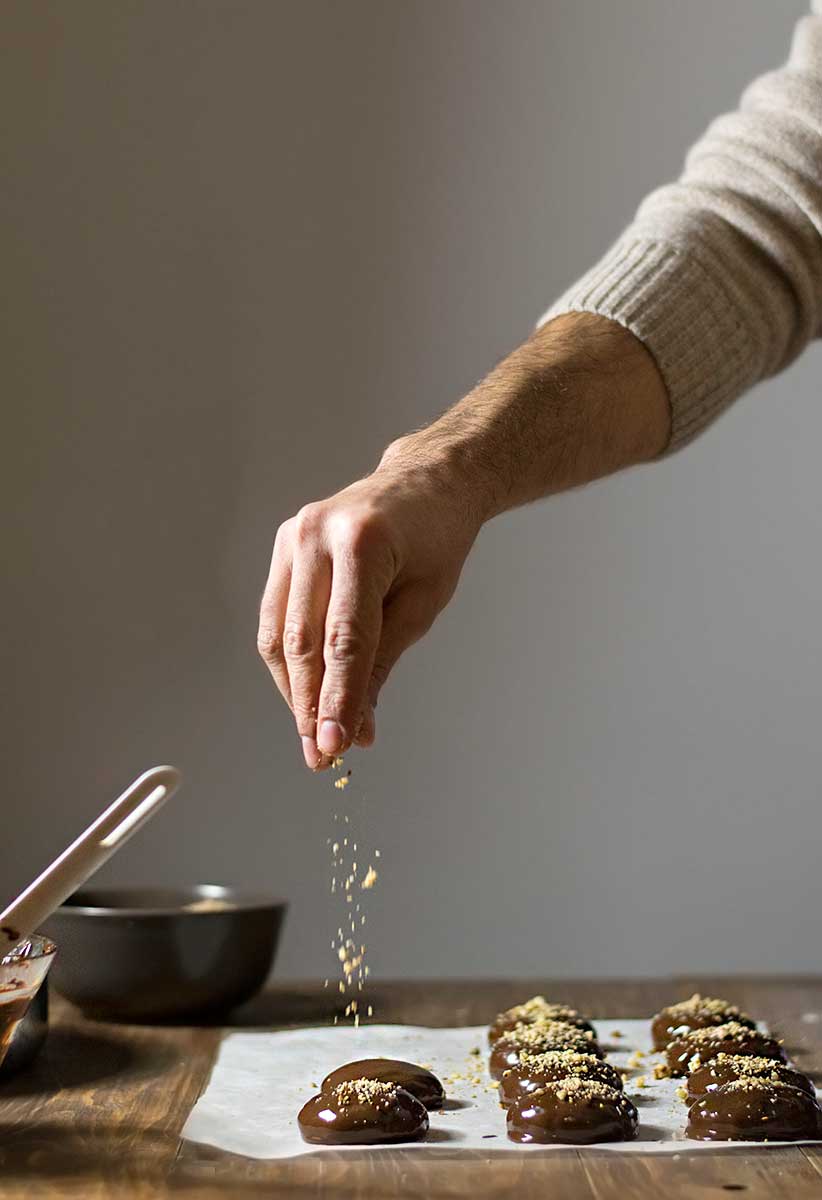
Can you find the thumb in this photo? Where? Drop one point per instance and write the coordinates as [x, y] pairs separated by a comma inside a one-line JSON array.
[[405, 619]]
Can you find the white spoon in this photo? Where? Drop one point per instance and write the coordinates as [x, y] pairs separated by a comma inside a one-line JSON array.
[[81, 859]]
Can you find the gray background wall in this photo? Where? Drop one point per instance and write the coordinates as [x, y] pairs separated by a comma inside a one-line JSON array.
[[241, 246]]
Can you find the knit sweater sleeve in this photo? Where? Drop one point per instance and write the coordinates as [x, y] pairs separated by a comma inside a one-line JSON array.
[[720, 273]]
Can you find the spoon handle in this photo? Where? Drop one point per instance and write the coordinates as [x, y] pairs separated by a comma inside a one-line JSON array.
[[108, 833]]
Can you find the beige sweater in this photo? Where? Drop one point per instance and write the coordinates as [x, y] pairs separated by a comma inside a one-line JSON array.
[[720, 274]]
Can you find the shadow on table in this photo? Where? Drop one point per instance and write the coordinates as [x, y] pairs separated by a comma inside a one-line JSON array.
[[116, 1154], [311, 1006], [283, 1006], [94, 1152], [439, 1170], [268, 1008], [74, 1058], [74, 1149], [295, 1007]]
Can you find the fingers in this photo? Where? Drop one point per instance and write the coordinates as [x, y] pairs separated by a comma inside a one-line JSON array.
[[352, 632], [303, 641], [327, 633], [273, 610]]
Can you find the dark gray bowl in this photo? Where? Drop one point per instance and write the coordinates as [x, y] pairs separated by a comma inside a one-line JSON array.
[[141, 954]]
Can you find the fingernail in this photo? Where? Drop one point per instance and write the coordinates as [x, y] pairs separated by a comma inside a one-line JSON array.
[[311, 754], [330, 739]]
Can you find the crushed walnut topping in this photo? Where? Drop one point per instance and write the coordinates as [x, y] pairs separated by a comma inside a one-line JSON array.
[[538, 1007], [573, 1061], [702, 1004], [758, 1085], [365, 1091], [748, 1064], [718, 1033], [545, 1035], [581, 1089]]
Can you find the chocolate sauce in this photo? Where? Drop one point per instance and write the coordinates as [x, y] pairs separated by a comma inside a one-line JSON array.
[[533, 1071], [539, 1038], [699, 1012], [754, 1110], [725, 1068], [362, 1112], [731, 1038], [419, 1081], [11, 1013], [575, 1111], [534, 1010]]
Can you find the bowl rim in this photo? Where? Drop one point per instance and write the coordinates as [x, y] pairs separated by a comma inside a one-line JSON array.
[[47, 949], [240, 901]]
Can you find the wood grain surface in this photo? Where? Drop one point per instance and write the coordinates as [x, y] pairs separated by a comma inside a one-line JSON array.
[[100, 1114]]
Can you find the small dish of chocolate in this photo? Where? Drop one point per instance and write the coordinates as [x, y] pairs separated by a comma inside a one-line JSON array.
[[23, 1001], [730, 1038], [534, 1010], [539, 1038], [362, 1112], [575, 1111], [697, 1012], [754, 1110], [419, 1081], [533, 1071], [725, 1068]]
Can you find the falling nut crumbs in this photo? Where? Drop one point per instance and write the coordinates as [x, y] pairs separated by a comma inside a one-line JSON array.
[[345, 877]]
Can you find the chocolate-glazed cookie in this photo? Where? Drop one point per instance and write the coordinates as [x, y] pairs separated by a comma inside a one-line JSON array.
[[731, 1038], [754, 1110], [533, 1071], [575, 1111], [725, 1068], [419, 1081], [698, 1012], [533, 1010], [539, 1038], [362, 1112]]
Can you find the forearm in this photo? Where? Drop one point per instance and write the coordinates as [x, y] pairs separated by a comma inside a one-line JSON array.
[[720, 274], [580, 399]]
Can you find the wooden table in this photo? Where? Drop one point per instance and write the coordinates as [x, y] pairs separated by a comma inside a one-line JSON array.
[[100, 1115]]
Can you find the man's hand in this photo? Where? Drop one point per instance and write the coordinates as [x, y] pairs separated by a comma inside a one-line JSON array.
[[356, 579]]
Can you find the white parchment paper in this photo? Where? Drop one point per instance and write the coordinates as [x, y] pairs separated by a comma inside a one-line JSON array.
[[261, 1080]]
